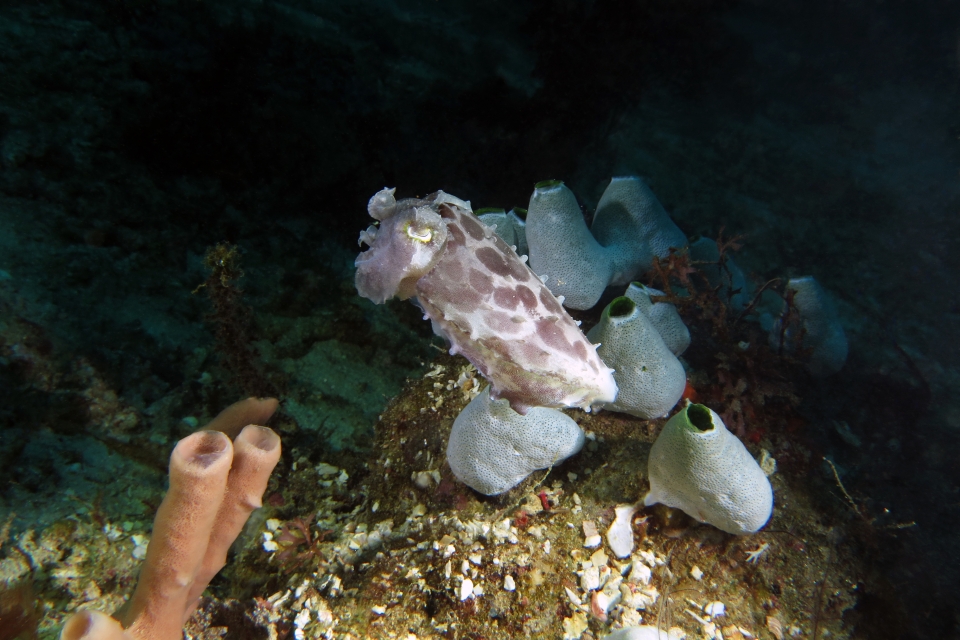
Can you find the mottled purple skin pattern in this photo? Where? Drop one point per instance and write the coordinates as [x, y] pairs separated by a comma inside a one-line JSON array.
[[498, 314]]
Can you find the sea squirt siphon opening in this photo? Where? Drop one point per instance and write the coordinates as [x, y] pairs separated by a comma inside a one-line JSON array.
[[621, 307], [546, 184], [699, 417]]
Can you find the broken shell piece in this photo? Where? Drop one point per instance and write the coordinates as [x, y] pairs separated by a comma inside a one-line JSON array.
[[714, 609], [605, 573], [767, 463], [599, 558], [638, 599], [425, 479], [466, 589], [591, 535], [574, 626], [775, 627], [324, 469], [731, 632], [650, 559], [630, 618], [696, 573], [509, 584], [600, 605], [640, 573], [573, 598], [590, 579], [620, 533]]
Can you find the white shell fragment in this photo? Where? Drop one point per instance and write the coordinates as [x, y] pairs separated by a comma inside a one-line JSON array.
[[640, 573], [466, 589], [592, 542], [620, 533], [591, 535], [590, 579]]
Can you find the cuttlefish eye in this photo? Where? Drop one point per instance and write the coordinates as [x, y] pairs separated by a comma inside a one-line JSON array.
[[424, 235]]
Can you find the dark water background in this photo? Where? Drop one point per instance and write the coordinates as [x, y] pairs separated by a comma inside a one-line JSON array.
[[136, 134]]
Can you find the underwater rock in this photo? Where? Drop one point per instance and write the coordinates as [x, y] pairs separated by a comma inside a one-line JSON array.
[[492, 448], [699, 467], [482, 297]]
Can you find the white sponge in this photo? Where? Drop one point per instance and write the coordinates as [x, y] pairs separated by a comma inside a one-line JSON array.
[[562, 249], [630, 218], [818, 329], [630, 227], [663, 315], [511, 228], [492, 448], [699, 467], [650, 378]]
